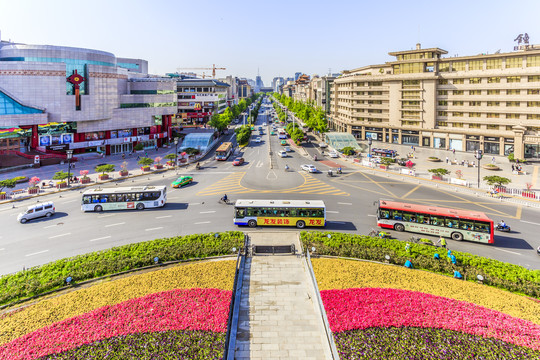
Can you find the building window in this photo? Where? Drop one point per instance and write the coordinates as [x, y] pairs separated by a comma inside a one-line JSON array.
[[411, 84], [457, 114], [443, 81], [476, 65], [493, 127], [512, 103], [533, 78], [458, 65], [513, 92], [458, 81], [474, 115], [457, 92], [494, 80], [457, 103], [513, 79], [474, 126], [493, 103], [492, 115], [442, 123], [533, 103], [533, 116], [533, 91], [512, 116], [442, 113], [475, 92], [443, 103], [514, 62], [494, 64], [475, 80], [444, 67], [533, 61], [457, 125], [493, 92], [442, 92], [475, 103]]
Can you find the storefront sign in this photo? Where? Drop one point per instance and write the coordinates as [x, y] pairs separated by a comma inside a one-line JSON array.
[[58, 147], [509, 140], [95, 143], [473, 137], [491, 139]]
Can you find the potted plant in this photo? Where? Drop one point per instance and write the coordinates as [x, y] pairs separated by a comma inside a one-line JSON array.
[[60, 175], [385, 163], [7, 183], [138, 147], [33, 188], [157, 164], [459, 174], [171, 159], [490, 167], [437, 174], [124, 171], [104, 170], [145, 163], [84, 179]]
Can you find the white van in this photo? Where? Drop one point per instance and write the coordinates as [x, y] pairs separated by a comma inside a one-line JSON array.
[[35, 211]]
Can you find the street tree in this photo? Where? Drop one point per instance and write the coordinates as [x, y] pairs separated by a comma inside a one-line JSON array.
[[439, 171], [107, 168], [7, 183], [60, 175], [495, 180]]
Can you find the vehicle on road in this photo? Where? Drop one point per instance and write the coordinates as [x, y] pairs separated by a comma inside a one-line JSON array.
[[283, 153], [282, 134], [258, 139], [238, 161], [121, 198], [309, 168], [283, 142], [333, 154], [323, 145], [299, 213], [504, 228], [181, 181], [436, 221], [287, 149], [264, 124], [224, 151], [384, 153], [45, 209], [272, 132]]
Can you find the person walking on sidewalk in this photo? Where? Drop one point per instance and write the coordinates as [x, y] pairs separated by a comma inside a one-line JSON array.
[[447, 159]]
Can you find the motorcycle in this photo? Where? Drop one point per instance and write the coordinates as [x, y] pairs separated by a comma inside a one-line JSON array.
[[505, 228], [330, 173], [223, 201], [315, 158], [198, 167]]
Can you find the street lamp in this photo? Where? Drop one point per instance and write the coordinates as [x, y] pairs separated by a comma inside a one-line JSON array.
[[175, 153], [369, 141], [69, 154], [478, 156]]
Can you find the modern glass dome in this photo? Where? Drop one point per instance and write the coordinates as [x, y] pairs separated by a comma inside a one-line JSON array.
[[340, 140], [199, 141]]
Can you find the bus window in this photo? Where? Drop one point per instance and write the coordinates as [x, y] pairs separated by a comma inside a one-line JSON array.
[[451, 223], [104, 198], [467, 225], [436, 221], [409, 217], [292, 212], [482, 227], [397, 215], [240, 212], [87, 199], [138, 196], [385, 214]]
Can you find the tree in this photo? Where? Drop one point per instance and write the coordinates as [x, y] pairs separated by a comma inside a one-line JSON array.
[[495, 180], [106, 168], [348, 150], [7, 183], [60, 175], [171, 156], [297, 135], [439, 171], [217, 122], [243, 133], [387, 161]]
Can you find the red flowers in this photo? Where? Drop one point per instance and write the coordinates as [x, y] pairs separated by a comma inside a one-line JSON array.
[[193, 309], [375, 307]]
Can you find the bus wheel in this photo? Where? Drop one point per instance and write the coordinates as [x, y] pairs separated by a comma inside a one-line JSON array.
[[140, 206], [399, 227], [252, 223], [457, 236], [300, 224], [98, 208]]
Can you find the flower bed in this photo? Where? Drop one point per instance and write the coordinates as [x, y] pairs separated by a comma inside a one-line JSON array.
[[421, 343], [182, 344], [193, 309]]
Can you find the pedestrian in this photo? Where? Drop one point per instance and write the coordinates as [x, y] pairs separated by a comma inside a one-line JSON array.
[[493, 160], [156, 148], [453, 259], [442, 240], [146, 154], [447, 159], [138, 157], [454, 151], [123, 156], [408, 248], [513, 168]]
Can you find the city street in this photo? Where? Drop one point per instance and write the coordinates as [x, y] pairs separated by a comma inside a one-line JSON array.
[[350, 200]]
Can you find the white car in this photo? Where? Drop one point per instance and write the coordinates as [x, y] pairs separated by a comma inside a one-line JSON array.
[[258, 139], [283, 153], [323, 145], [309, 168], [287, 149], [333, 154], [264, 124]]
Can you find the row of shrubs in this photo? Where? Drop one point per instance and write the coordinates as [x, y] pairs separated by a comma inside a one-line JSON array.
[[52, 276], [496, 273]]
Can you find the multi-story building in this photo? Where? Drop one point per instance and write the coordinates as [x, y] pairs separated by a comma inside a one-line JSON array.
[[487, 101], [319, 91], [199, 99], [244, 89], [258, 83], [232, 90], [55, 98], [302, 86]]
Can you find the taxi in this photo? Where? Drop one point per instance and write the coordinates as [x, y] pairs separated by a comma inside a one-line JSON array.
[[181, 181]]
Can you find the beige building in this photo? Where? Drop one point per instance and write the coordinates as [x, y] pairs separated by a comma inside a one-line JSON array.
[[464, 103]]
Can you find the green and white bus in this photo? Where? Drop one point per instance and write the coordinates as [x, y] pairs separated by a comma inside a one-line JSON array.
[[121, 198]]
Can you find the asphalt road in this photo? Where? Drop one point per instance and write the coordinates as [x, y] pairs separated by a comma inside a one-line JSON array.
[[349, 198]]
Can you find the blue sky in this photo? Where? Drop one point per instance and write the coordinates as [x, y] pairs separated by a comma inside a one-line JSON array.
[[278, 37]]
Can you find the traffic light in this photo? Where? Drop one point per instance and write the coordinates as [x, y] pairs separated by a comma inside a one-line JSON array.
[[479, 154]]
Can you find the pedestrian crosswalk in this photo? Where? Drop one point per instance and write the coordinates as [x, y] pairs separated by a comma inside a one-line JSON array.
[[231, 184]]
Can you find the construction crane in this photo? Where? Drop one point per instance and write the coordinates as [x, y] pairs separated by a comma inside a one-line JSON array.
[[213, 68]]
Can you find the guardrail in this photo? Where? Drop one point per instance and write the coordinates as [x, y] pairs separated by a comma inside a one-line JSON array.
[[234, 307]]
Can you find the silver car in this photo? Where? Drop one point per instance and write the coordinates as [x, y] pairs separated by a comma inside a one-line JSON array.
[[36, 211]]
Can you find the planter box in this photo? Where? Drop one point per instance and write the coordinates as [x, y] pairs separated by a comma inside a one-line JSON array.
[[35, 190], [58, 186], [158, 166], [104, 177], [170, 163], [434, 160], [85, 180], [435, 177], [124, 173], [384, 167], [490, 167], [3, 196], [145, 168]]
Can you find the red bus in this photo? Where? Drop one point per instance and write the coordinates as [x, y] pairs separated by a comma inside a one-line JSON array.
[[437, 221]]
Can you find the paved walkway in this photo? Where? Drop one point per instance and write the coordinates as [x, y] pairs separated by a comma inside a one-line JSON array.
[[279, 318]]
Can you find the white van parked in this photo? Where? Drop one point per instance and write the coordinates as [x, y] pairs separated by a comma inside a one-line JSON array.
[[36, 211]]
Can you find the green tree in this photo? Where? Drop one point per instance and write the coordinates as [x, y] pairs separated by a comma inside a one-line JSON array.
[[348, 150], [495, 180], [144, 161], [387, 161], [298, 135], [60, 175], [218, 122], [439, 171], [7, 183], [243, 133], [107, 168], [171, 156]]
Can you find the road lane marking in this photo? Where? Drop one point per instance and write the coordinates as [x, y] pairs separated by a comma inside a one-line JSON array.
[[37, 253], [56, 236], [207, 212], [152, 229], [336, 222], [508, 251], [372, 215], [342, 203], [163, 217], [2, 249], [194, 204], [530, 222], [202, 222], [69, 201], [104, 216], [332, 212], [122, 223], [50, 226], [101, 238], [410, 192]]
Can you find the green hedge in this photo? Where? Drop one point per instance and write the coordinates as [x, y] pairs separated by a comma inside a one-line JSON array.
[[51, 276], [496, 273]]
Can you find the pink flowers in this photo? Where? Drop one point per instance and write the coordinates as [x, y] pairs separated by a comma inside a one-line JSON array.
[[375, 307], [192, 309]]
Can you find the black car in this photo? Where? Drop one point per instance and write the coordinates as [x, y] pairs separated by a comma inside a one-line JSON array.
[[402, 161]]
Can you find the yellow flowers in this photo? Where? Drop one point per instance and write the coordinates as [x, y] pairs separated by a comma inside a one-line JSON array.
[[212, 274], [343, 274]]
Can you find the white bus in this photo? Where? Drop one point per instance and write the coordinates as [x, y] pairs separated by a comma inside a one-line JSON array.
[[299, 213], [120, 198]]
